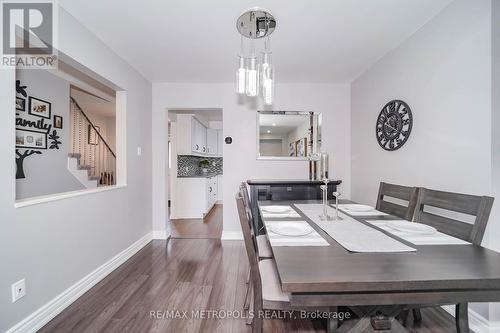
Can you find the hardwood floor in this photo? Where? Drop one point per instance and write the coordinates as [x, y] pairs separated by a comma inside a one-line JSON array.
[[209, 227], [185, 275]]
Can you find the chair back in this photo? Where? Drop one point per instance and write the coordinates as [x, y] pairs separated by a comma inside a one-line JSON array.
[[250, 244], [405, 193], [246, 199], [479, 207]]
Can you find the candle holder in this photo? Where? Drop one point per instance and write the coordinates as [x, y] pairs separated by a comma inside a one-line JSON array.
[[337, 195], [324, 188]]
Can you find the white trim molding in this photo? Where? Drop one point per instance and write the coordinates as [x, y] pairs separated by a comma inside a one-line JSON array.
[[477, 323], [231, 235], [43, 315], [161, 234]]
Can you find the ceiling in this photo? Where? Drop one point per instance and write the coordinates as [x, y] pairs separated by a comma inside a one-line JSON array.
[[197, 41], [93, 104], [205, 114]]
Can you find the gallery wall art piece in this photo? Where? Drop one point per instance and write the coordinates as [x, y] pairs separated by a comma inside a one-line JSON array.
[[20, 104], [30, 139], [58, 122], [301, 147], [39, 108], [34, 129]]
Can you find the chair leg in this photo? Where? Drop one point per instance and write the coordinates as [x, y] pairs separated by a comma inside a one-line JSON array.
[[248, 276], [258, 321], [462, 317], [417, 315], [246, 304], [250, 319]]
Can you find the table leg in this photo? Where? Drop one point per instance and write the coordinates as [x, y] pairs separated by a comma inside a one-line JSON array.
[[462, 317], [332, 323], [364, 324]]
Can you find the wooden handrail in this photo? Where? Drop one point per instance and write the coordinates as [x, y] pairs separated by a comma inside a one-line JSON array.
[[95, 129]]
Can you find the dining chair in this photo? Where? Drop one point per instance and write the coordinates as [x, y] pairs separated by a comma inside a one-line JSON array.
[[399, 192], [267, 292], [431, 208], [262, 241]]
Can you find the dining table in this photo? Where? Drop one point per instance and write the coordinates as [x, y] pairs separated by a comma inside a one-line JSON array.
[[380, 276]]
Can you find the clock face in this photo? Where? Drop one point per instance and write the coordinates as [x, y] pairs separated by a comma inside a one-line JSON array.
[[394, 125]]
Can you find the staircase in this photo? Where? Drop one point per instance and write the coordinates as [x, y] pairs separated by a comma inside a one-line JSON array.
[[90, 160]]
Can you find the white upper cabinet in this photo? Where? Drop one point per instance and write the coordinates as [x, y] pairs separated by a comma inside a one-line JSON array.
[[211, 141], [191, 136], [198, 136]]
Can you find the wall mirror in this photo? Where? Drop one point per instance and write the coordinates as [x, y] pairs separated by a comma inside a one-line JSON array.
[[288, 135]]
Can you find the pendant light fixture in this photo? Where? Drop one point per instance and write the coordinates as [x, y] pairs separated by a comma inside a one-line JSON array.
[[258, 78], [241, 71], [266, 72], [252, 76]]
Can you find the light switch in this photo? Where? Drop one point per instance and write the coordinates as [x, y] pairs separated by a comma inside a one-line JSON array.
[[139, 151]]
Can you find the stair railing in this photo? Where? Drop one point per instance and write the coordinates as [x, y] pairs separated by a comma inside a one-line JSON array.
[[94, 152]]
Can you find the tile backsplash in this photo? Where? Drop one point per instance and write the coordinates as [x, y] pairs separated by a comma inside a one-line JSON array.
[[187, 165]]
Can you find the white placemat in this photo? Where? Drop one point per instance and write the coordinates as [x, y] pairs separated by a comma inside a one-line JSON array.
[[312, 239], [353, 235], [373, 212], [437, 238], [290, 214]]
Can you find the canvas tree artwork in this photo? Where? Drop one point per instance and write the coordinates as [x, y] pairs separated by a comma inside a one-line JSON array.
[[32, 134]]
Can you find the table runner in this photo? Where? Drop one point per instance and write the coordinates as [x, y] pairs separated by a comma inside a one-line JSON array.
[[437, 238], [312, 239], [353, 235]]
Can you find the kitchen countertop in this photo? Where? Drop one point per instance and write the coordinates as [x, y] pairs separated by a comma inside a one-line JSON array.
[[202, 175]]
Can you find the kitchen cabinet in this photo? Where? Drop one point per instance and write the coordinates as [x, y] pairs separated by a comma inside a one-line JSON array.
[[198, 136], [219, 188], [194, 197], [220, 142], [212, 142], [194, 138]]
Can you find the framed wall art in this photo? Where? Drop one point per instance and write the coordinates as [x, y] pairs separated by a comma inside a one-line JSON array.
[[39, 108]]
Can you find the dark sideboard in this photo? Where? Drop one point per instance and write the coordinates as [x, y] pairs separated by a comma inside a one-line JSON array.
[[279, 190]]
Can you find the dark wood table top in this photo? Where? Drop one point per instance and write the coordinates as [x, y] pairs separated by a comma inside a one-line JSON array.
[[289, 182], [431, 268]]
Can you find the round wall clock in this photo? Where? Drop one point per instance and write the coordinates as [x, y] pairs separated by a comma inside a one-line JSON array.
[[394, 125]]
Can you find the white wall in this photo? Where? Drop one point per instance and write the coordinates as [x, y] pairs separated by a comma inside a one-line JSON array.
[[494, 229], [444, 73], [55, 244], [240, 123]]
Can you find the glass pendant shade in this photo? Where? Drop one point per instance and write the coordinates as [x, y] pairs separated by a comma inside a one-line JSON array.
[[241, 76], [252, 83], [266, 73]]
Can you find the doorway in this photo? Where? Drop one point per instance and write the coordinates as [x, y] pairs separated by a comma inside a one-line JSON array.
[[195, 165]]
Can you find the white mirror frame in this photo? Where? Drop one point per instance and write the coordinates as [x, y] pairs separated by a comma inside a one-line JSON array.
[[314, 138]]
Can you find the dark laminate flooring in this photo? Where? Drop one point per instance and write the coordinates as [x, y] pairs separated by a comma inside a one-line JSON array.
[[185, 274], [209, 227]]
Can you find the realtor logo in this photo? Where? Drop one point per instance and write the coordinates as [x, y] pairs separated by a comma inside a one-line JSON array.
[[28, 34]]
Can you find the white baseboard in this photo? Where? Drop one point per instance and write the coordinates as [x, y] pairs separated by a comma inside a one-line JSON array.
[[43, 315], [160, 234], [477, 323], [231, 235]]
